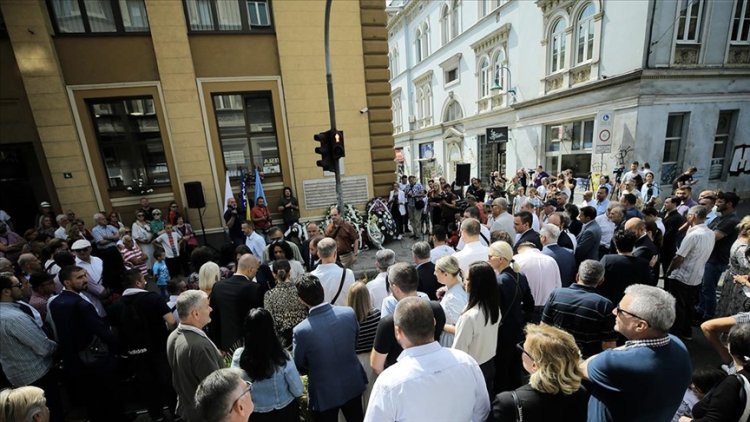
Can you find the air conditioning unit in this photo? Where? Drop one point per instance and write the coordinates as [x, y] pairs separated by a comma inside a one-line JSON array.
[[412, 118]]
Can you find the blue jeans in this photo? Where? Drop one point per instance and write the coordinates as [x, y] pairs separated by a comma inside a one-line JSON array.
[[711, 275]]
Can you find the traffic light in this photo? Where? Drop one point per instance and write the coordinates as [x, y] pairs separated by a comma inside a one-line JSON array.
[[326, 161], [337, 144]]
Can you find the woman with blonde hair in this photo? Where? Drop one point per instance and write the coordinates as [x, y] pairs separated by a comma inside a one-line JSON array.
[[208, 275], [368, 317], [455, 299], [554, 391], [23, 404], [516, 302], [735, 297]]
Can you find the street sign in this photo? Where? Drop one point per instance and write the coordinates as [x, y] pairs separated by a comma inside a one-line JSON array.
[[603, 132], [497, 135]]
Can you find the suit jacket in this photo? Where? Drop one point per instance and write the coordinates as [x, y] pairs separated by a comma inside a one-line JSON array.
[[231, 299], [75, 323], [309, 262], [529, 236], [192, 358], [588, 242], [427, 281], [324, 347], [565, 241], [645, 248], [566, 262]]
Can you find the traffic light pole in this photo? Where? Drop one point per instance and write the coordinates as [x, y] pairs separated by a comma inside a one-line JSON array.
[[331, 108]]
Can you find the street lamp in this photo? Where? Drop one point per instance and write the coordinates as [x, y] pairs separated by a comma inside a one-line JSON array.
[[498, 86]]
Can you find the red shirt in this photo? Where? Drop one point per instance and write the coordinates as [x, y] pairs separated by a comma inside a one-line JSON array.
[[257, 214]]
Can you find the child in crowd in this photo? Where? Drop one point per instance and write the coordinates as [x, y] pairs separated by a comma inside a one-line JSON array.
[[175, 287], [704, 379], [161, 272], [170, 241]]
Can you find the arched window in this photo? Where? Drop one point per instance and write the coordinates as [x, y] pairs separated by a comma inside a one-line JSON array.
[[418, 45], [485, 77], [425, 40], [453, 112], [557, 46], [427, 104], [445, 24], [396, 108], [455, 18], [585, 34], [420, 103], [498, 80]]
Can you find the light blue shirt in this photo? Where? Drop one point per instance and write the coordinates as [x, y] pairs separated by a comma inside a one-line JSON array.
[[601, 207], [256, 244], [277, 391], [161, 273], [99, 232], [389, 304]]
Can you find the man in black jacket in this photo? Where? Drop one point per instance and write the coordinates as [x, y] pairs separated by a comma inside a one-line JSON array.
[[425, 269], [231, 299]]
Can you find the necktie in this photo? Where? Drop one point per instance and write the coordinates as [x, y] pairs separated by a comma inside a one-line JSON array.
[[171, 245]]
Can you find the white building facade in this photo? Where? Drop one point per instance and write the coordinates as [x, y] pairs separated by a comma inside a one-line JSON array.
[[670, 77]]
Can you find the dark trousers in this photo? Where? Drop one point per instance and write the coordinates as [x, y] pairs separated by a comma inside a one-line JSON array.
[[488, 371], [97, 391], [288, 413], [686, 297], [50, 383], [352, 411], [508, 367], [153, 382], [174, 266]]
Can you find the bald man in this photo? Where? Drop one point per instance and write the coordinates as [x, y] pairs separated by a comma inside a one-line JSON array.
[[231, 299]]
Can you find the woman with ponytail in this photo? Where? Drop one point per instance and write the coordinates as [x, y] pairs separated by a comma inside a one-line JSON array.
[[455, 299], [283, 303]]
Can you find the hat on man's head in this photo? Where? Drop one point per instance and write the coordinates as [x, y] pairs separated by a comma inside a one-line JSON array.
[[45, 204], [80, 244]]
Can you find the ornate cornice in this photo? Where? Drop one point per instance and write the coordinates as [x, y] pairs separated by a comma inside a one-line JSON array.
[[492, 39]]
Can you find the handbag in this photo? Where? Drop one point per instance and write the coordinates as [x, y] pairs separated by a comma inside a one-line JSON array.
[[95, 354], [517, 404], [744, 396]]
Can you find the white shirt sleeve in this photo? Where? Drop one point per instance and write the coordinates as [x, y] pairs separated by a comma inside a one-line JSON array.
[[380, 407]]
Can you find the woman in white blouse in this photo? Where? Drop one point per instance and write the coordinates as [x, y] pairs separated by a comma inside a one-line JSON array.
[[476, 331], [141, 232], [455, 299]]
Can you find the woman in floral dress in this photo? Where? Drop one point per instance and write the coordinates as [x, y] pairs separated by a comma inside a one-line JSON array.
[[735, 297]]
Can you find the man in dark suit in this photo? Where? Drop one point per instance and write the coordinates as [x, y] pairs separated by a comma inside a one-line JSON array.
[[425, 269], [310, 253], [76, 324], [644, 246], [566, 261], [672, 220], [231, 299], [591, 234], [324, 348], [522, 222], [564, 240]]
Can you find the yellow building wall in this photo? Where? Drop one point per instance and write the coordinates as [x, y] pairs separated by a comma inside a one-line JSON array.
[[300, 34]]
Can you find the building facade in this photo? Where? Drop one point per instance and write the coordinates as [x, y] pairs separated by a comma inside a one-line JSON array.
[[104, 99], [587, 85]]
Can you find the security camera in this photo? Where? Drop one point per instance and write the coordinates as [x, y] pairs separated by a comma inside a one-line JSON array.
[[363, 110]]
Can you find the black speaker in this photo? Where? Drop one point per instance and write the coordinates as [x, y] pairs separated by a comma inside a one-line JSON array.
[[194, 193], [462, 174]]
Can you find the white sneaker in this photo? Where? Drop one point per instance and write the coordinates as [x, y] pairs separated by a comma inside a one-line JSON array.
[[729, 368]]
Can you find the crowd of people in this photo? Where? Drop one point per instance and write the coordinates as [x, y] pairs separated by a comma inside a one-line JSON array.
[[515, 304]]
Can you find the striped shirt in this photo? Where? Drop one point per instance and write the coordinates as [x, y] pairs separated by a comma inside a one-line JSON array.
[[26, 352], [134, 253], [582, 312], [742, 318], [695, 249], [367, 329]]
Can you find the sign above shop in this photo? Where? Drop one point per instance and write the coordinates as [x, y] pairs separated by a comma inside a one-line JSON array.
[[497, 135]]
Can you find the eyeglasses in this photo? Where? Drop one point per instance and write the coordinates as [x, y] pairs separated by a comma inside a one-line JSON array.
[[247, 390], [621, 311], [519, 346], [140, 215], [157, 213]]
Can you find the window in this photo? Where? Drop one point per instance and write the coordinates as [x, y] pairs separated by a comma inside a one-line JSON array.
[[98, 16], [485, 77], [689, 21], [129, 140], [453, 111], [492, 157], [741, 22], [424, 105], [672, 141], [247, 132], [557, 46], [585, 34], [418, 45], [455, 18], [393, 62], [451, 75], [425, 44], [498, 79], [227, 15], [583, 135], [396, 109], [445, 24], [722, 143]]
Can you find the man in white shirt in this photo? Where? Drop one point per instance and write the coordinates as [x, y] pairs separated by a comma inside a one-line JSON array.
[[253, 240], [685, 273], [542, 273], [62, 222], [378, 286], [330, 274], [630, 176], [94, 268], [501, 219], [484, 232], [440, 249], [588, 199], [427, 375], [473, 250]]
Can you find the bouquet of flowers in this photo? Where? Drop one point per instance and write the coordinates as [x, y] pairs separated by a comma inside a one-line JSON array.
[[382, 225]]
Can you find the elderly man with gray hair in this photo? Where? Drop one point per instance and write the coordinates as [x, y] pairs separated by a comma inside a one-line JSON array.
[[501, 219], [428, 283], [378, 286], [581, 311], [105, 236], [566, 261], [224, 396], [336, 281], [645, 379], [191, 354], [685, 273]]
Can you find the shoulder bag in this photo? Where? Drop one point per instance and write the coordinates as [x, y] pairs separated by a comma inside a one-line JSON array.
[[744, 396], [517, 404], [341, 285]]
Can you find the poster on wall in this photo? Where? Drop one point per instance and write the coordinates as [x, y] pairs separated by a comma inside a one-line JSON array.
[[426, 151]]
